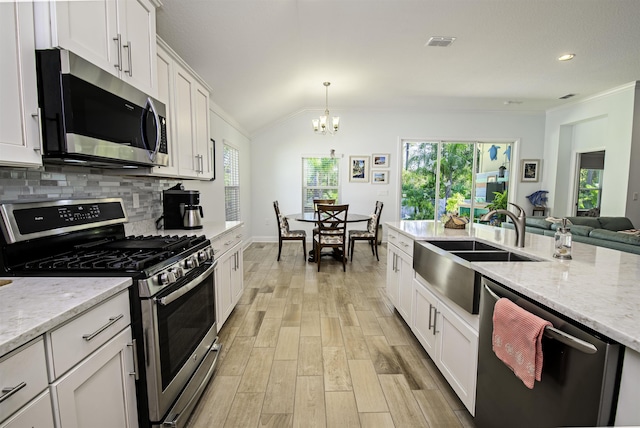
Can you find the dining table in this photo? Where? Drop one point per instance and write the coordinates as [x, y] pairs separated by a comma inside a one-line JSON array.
[[312, 217]]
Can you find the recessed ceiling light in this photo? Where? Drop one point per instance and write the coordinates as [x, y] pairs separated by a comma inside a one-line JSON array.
[[511, 102], [566, 57], [440, 41]]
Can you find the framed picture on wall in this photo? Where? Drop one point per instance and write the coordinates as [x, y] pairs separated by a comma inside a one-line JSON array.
[[359, 169], [530, 170], [379, 177], [380, 160]]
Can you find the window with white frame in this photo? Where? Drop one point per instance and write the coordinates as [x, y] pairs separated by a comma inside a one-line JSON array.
[[320, 180], [231, 183]]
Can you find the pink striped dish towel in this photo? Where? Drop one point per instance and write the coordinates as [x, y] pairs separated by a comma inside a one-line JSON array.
[[517, 340]]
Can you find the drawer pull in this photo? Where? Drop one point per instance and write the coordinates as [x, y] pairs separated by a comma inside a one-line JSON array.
[[112, 321], [8, 392]]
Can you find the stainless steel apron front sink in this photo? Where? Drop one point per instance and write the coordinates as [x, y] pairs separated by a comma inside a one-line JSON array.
[[446, 265]]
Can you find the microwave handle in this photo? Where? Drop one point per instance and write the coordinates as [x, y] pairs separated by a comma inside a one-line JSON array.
[[158, 128]]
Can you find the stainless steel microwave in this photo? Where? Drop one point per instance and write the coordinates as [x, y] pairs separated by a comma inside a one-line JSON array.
[[90, 117]]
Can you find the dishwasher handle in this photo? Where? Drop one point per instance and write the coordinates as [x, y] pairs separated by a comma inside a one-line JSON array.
[[559, 335]]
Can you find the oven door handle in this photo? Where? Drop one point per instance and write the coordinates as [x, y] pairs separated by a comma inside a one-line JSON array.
[[188, 287]]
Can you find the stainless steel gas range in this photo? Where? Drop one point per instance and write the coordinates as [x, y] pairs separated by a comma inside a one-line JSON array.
[[172, 297]]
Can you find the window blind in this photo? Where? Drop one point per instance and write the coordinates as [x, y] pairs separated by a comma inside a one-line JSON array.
[[231, 183], [320, 180]]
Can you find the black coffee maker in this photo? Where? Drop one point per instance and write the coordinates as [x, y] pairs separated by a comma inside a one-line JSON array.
[[182, 208]]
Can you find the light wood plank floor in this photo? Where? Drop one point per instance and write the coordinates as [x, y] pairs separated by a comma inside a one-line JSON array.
[[322, 349]]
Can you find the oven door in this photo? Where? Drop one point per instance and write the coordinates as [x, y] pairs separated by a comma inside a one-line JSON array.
[[179, 332]]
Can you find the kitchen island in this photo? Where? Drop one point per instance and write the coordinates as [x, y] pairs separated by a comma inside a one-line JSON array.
[[599, 288]]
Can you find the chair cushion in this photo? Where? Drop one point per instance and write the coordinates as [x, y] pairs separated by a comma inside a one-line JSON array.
[[361, 234], [331, 240], [585, 221], [580, 230], [284, 226], [538, 222], [371, 224], [294, 234]]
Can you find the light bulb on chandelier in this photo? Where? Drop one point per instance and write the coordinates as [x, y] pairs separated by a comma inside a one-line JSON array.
[[320, 125]]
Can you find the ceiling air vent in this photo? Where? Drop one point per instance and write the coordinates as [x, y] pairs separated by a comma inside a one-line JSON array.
[[567, 96], [442, 42]]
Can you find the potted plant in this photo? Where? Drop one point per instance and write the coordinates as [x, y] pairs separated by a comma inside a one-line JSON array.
[[500, 202]]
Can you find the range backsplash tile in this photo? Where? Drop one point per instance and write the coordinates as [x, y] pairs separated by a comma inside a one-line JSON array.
[[59, 182]]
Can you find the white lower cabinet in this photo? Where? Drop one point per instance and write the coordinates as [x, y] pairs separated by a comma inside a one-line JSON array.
[[400, 274], [100, 391], [449, 340], [228, 274], [36, 414]]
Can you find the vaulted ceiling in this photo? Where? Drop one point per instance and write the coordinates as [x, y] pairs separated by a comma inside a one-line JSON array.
[[266, 59]]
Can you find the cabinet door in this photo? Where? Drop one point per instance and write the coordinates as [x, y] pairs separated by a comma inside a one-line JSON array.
[[405, 292], [224, 298], [457, 355], [100, 391], [393, 275], [204, 149], [183, 112], [237, 276], [36, 414], [137, 25], [89, 29], [424, 313], [19, 121], [165, 67]]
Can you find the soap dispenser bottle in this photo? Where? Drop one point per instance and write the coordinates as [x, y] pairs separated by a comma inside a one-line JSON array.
[[562, 240]]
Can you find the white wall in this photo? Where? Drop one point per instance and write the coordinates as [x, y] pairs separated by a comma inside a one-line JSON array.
[[276, 154], [603, 122]]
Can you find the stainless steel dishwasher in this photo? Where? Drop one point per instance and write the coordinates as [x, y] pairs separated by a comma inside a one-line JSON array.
[[579, 379]]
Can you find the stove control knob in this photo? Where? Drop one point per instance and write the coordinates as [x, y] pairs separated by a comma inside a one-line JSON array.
[[202, 256], [177, 271], [190, 263], [166, 278]]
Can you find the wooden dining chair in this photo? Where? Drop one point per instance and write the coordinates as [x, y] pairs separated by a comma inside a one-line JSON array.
[[317, 202], [371, 234], [332, 231], [285, 234]]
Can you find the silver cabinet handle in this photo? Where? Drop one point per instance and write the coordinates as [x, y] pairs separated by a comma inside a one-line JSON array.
[[37, 116], [128, 48], [111, 322], [118, 40], [431, 307], [435, 320], [134, 351], [8, 392]]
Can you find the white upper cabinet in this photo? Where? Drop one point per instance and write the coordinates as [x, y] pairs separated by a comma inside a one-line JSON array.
[[118, 36], [187, 99], [19, 121]]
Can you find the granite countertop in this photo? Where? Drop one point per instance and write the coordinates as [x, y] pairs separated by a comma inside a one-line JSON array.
[[32, 306], [599, 288]]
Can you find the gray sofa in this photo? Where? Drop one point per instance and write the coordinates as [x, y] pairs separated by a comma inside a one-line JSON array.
[[601, 231]]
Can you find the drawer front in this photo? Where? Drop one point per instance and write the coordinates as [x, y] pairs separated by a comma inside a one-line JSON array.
[[87, 332], [226, 241], [36, 414], [24, 373], [405, 244]]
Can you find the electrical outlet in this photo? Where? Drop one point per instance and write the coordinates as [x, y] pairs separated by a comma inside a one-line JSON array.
[[635, 196]]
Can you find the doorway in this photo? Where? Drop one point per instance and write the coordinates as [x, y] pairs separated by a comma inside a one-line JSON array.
[[589, 184]]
